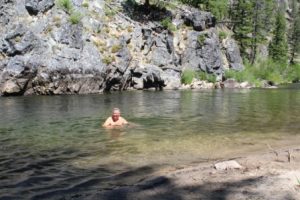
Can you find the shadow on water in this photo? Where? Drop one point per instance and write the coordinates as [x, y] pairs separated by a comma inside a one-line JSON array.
[[51, 177], [163, 188]]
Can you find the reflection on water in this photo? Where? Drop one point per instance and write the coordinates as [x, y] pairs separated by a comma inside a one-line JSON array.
[[56, 145]]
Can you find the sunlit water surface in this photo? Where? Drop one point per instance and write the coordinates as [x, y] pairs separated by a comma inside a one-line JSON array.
[[52, 146]]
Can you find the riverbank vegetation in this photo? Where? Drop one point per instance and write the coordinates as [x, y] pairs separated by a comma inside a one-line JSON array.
[[268, 35], [257, 24], [189, 75]]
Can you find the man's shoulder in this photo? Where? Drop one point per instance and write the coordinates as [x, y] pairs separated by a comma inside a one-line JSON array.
[[123, 120], [109, 119]]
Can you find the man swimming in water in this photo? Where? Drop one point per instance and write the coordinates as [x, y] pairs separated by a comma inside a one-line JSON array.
[[115, 119]]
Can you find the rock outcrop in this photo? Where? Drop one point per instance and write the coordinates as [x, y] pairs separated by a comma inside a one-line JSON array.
[[203, 52], [233, 55], [44, 50]]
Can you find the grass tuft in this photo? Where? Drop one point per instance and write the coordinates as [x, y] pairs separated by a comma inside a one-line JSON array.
[[187, 76], [167, 24], [75, 17], [115, 48], [65, 4]]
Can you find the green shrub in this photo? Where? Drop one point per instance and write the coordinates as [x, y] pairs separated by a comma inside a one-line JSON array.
[[167, 24], [202, 75], [108, 59], [207, 77], [75, 17], [222, 35], [115, 48], [201, 39], [85, 4], [268, 70], [187, 76], [211, 78], [109, 12], [65, 4], [293, 73]]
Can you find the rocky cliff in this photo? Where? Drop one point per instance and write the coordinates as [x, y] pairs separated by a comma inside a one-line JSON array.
[[98, 46]]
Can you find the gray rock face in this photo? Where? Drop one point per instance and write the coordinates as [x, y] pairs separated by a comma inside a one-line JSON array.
[[163, 52], [35, 6], [233, 55], [203, 52], [147, 76], [18, 42], [6, 12], [200, 20], [172, 79], [71, 34], [46, 54], [118, 74]]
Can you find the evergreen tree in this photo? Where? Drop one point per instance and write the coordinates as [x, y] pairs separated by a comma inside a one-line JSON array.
[[261, 24], [278, 48], [219, 8], [294, 32], [242, 12], [268, 15]]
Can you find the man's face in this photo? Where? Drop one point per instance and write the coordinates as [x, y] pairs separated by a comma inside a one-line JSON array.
[[116, 115]]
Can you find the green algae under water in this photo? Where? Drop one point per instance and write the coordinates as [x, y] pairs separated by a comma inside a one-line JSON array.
[[50, 143]]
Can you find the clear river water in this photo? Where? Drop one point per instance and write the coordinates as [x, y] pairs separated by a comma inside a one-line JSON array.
[[51, 146]]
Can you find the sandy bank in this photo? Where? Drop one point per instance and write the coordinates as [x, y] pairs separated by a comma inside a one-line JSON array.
[[266, 175]]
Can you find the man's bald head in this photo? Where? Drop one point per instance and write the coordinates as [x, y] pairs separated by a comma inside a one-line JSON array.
[[116, 114]]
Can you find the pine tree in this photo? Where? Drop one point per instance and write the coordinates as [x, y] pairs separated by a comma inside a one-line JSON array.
[[268, 15], [294, 36], [278, 48], [261, 24], [219, 8], [242, 12]]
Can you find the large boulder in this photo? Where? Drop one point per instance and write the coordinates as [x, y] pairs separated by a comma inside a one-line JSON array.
[[172, 79], [147, 76], [200, 20], [233, 55], [35, 6], [10, 88], [203, 52], [230, 83], [163, 52]]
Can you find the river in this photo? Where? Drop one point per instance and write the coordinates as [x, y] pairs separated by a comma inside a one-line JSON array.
[[51, 146]]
